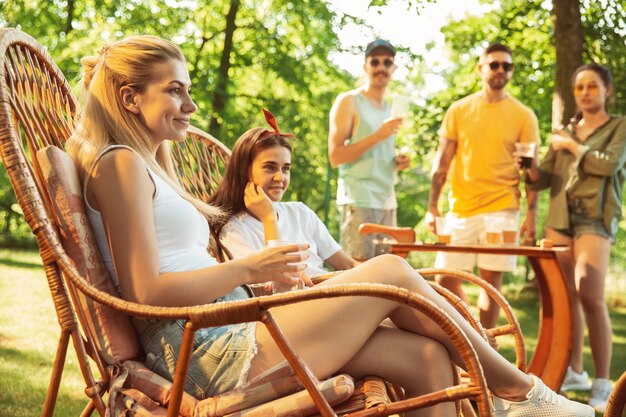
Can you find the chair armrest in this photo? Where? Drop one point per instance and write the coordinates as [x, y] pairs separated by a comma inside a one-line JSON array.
[[401, 234]]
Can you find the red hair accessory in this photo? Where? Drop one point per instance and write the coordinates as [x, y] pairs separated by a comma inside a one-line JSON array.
[[271, 120]]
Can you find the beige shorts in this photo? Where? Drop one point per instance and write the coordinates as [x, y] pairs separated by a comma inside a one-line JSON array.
[[357, 246], [469, 231]]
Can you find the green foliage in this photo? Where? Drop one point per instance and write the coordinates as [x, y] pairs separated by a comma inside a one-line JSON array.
[[14, 232], [604, 29], [279, 61], [30, 333]]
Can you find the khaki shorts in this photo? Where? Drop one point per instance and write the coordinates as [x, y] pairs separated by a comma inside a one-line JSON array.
[[357, 246], [470, 231]]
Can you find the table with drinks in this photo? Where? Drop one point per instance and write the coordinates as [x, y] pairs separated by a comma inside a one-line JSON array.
[[554, 337]]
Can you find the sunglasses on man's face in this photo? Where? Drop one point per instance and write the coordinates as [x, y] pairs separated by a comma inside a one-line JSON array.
[[387, 62], [506, 66]]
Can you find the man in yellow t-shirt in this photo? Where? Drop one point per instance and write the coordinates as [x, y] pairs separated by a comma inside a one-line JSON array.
[[478, 134]]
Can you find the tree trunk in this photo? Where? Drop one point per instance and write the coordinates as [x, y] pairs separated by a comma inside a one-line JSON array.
[[221, 85], [568, 39], [70, 16]]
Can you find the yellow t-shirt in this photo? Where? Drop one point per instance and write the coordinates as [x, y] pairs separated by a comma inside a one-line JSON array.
[[484, 177]]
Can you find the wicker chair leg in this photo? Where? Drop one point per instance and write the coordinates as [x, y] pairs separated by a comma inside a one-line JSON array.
[[57, 373], [181, 370], [466, 408], [617, 399], [89, 409]]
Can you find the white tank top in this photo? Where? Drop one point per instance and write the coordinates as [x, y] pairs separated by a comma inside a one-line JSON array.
[[182, 232]]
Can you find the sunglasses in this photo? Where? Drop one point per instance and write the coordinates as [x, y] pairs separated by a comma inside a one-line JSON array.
[[591, 89], [374, 62], [506, 66]]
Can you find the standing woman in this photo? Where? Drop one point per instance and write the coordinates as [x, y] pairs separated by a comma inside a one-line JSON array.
[[585, 169], [154, 238]]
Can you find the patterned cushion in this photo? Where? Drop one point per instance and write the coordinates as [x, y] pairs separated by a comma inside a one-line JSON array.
[[155, 387], [335, 390], [115, 336]]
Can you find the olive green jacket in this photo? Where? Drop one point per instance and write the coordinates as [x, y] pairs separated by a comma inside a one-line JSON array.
[[588, 183]]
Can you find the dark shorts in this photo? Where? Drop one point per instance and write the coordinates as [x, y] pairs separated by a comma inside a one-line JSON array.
[[582, 225]]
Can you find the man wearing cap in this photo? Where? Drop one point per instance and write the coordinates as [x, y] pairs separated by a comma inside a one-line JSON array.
[[361, 143], [478, 134]]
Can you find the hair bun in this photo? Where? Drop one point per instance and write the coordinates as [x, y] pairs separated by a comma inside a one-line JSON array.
[[102, 51]]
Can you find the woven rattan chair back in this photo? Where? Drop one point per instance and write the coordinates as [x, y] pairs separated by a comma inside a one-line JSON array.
[[200, 161], [37, 113], [37, 109]]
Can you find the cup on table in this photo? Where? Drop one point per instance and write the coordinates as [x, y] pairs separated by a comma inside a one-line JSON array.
[[509, 232], [279, 286], [493, 229], [443, 228], [526, 151]]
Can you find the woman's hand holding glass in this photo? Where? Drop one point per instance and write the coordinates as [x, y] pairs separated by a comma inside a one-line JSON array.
[[301, 277], [283, 264]]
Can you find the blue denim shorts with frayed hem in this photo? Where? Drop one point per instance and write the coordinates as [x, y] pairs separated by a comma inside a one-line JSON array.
[[220, 359], [582, 225]]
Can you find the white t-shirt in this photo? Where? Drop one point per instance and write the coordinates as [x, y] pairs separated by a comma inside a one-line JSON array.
[[244, 234]]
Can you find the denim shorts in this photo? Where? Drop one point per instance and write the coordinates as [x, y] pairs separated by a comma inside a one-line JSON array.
[[582, 225], [220, 359]]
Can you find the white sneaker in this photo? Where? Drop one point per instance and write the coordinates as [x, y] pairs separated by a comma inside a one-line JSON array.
[[575, 381], [600, 391], [541, 402]]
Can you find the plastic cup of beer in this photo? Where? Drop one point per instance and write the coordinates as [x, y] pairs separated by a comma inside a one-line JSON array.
[[509, 232], [279, 286], [526, 151], [443, 227], [493, 229], [400, 105]]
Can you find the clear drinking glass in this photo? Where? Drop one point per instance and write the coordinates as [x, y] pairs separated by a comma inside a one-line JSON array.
[[279, 286], [443, 227], [509, 232], [493, 227], [400, 105]]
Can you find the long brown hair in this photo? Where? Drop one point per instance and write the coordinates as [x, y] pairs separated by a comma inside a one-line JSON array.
[[229, 194]]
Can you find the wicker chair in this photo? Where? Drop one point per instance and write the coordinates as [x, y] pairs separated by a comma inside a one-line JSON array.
[[512, 326], [37, 112], [617, 400]]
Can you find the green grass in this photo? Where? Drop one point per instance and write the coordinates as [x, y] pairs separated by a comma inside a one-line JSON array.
[[29, 335]]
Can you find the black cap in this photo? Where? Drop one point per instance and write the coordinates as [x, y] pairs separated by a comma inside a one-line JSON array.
[[377, 45]]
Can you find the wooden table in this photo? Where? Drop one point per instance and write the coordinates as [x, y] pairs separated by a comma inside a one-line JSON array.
[[554, 339]]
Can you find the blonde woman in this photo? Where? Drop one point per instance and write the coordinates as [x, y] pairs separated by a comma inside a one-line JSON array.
[[154, 238]]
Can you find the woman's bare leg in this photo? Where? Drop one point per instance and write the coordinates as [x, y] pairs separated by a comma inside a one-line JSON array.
[[566, 259], [592, 260], [318, 328], [390, 352]]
